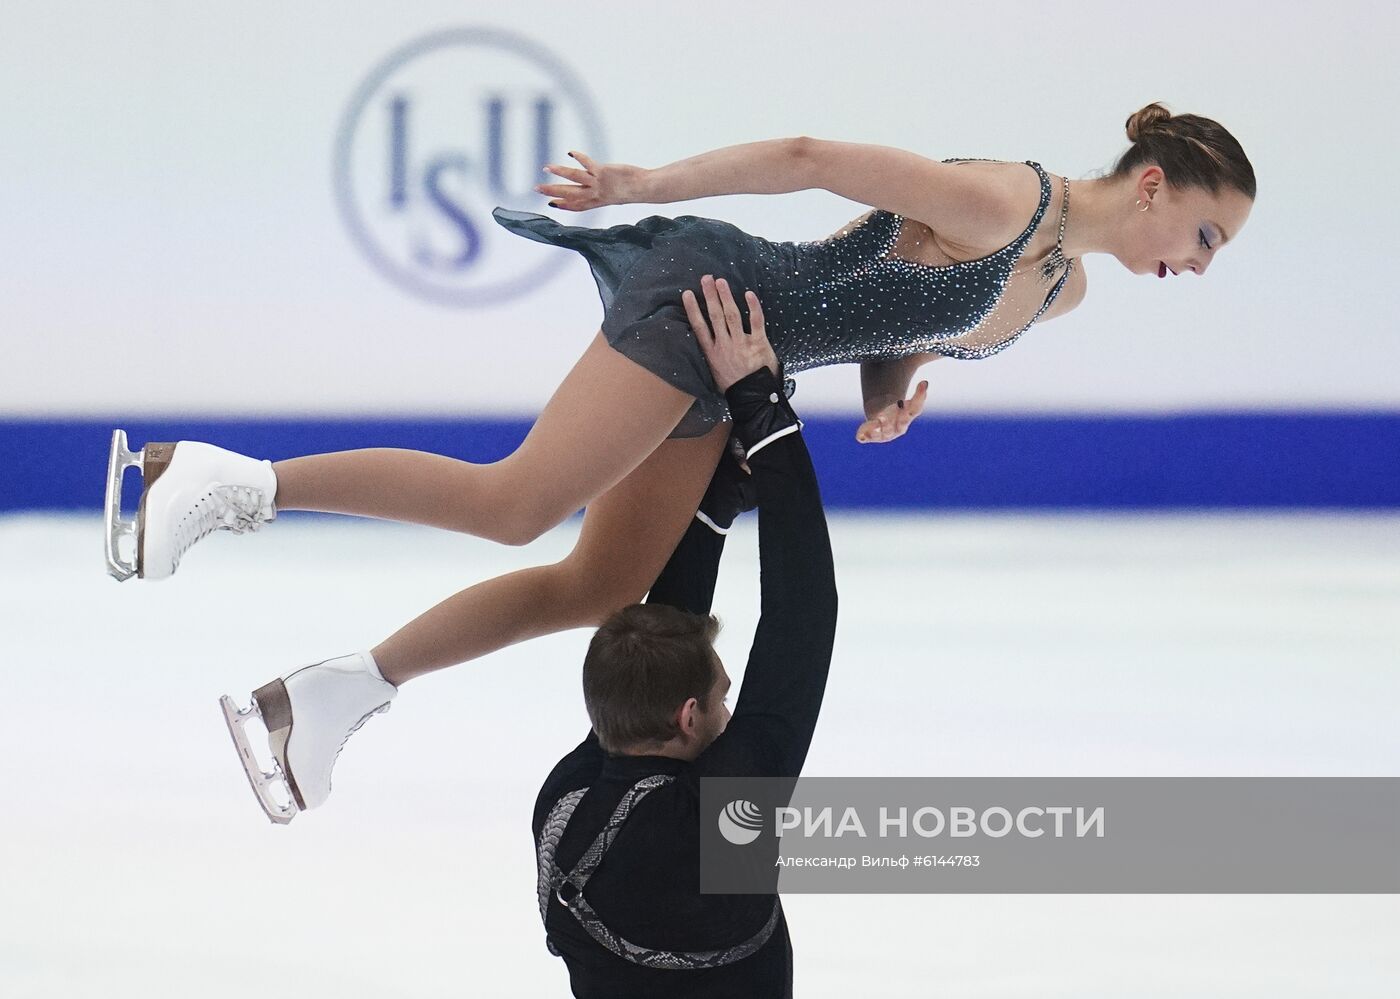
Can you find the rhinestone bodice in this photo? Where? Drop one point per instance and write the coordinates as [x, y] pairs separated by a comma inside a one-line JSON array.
[[851, 298], [865, 294]]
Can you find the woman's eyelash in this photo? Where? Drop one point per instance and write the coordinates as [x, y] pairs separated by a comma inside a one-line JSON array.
[[1203, 240]]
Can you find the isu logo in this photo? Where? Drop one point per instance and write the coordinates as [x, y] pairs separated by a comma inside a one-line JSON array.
[[439, 133]]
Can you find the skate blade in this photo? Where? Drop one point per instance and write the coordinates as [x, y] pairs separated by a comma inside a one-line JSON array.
[[263, 782], [121, 548]]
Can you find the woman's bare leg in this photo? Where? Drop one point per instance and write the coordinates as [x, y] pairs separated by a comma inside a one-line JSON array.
[[603, 420], [627, 537]]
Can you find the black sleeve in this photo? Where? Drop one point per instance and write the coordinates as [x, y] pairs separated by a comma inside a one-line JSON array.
[[776, 714], [688, 580]]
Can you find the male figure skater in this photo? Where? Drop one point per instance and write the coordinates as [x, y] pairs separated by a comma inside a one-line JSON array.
[[617, 823]]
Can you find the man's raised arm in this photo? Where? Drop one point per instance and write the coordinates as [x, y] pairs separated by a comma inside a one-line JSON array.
[[785, 679]]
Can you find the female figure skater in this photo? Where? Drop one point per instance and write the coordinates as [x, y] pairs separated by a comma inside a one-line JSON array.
[[952, 260]]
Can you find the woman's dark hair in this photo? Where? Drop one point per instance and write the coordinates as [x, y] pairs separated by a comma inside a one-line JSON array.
[[642, 664], [1192, 151]]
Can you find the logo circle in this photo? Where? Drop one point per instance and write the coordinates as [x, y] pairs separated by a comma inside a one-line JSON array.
[[740, 822], [441, 131]]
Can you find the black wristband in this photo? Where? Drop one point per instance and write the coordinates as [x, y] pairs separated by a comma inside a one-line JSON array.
[[760, 409]]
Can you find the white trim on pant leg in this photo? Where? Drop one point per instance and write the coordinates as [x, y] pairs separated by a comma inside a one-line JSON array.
[[700, 516], [772, 437]]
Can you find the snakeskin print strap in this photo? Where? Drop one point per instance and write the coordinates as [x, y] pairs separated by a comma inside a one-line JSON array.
[[554, 881]]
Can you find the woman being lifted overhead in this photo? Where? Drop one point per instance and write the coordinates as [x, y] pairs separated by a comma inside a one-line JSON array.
[[954, 259]]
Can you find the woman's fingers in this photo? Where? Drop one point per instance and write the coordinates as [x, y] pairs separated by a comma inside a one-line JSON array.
[[578, 196], [870, 432], [553, 190], [569, 196], [915, 406], [588, 164], [572, 206], [581, 177], [568, 192], [890, 424]]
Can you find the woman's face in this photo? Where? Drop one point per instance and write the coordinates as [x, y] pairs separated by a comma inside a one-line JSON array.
[[1183, 229]]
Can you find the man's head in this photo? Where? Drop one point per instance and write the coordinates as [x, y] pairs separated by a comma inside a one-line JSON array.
[[653, 684]]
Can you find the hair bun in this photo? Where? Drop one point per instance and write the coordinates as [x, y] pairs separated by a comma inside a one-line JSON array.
[[1149, 119]]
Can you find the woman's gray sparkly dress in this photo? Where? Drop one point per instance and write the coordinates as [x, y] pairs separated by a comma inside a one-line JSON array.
[[837, 301]]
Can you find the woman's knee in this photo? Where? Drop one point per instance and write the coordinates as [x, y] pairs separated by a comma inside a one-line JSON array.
[[513, 516], [517, 527], [597, 591]]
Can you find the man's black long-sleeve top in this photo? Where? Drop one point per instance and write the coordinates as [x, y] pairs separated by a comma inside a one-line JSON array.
[[648, 886]]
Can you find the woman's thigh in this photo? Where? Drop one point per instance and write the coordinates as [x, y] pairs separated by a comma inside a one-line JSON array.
[[603, 421], [630, 532]]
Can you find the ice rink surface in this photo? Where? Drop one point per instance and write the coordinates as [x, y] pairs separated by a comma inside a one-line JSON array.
[[137, 863]]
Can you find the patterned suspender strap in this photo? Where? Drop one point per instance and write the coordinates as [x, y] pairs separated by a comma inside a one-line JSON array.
[[568, 888], [550, 836]]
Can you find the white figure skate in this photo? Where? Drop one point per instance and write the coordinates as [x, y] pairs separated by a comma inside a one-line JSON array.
[[190, 489], [309, 714]]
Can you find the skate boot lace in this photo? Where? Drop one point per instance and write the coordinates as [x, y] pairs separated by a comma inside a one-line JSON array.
[[367, 716], [222, 508]]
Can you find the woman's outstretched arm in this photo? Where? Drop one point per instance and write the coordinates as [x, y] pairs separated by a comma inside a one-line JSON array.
[[773, 166], [767, 167], [967, 206]]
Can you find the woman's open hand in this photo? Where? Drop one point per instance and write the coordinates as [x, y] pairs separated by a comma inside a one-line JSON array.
[[893, 420], [596, 185], [732, 353]]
